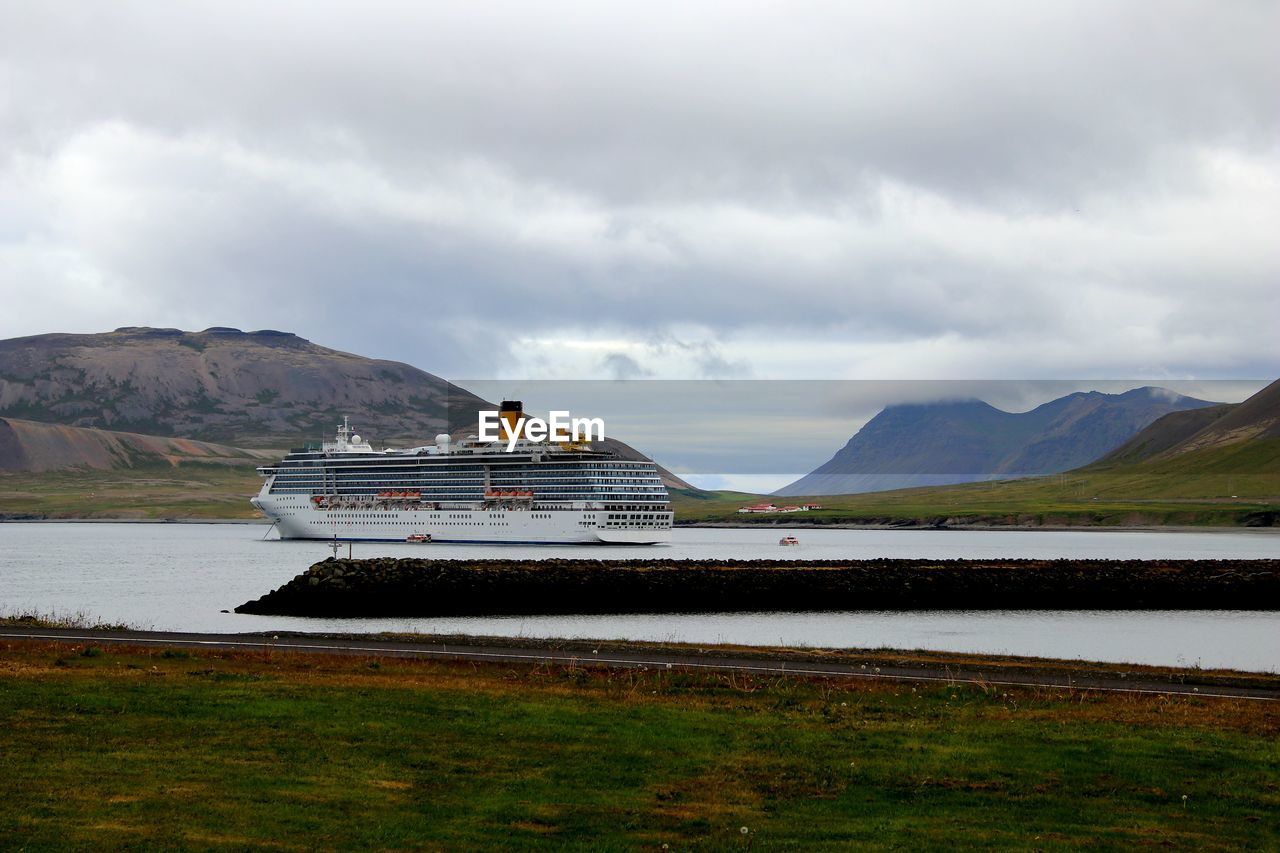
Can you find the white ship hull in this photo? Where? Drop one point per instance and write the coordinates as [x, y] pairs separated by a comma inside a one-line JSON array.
[[517, 492], [297, 518]]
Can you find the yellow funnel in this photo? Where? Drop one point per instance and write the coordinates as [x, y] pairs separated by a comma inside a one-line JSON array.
[[510, 415]]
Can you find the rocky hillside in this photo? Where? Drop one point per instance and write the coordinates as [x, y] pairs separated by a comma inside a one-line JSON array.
[[31, 446], [965, 441], [263, 389], [253, 389]]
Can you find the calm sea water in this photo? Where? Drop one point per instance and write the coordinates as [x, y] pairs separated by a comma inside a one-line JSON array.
[[180, 576]]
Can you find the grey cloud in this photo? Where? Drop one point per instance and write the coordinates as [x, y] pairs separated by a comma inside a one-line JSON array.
[[1073, 183], [1019, 100]]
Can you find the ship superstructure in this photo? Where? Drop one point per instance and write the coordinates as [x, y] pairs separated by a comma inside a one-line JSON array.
[[466, 491]]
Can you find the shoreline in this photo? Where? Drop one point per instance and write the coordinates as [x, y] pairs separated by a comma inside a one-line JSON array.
[[960, 528], [918, 665]]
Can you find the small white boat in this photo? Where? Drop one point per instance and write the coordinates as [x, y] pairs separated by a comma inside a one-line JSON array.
[[788, 540], [418, 537]]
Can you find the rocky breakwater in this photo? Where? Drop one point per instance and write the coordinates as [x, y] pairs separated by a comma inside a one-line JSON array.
[[420, 587]]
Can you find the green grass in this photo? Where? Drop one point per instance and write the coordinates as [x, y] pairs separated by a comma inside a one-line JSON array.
[[120, 748], [1221, 486], [189, 490]]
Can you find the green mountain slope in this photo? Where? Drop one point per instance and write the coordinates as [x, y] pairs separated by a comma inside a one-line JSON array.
[[1254, 420], [1164, 434]]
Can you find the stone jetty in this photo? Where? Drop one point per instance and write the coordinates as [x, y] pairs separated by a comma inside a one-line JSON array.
[[423, 587]]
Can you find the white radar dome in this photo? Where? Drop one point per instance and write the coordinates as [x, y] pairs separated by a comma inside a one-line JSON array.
[[442, 438], [355, 439]]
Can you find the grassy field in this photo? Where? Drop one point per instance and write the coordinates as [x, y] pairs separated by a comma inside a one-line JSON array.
[[190, 490], [111, 747], [1002, 503]]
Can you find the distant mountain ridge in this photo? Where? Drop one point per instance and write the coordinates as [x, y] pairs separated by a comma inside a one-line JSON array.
[[931, 444]]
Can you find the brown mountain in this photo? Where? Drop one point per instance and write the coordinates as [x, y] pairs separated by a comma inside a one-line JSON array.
[[263, 389], [254, 389]]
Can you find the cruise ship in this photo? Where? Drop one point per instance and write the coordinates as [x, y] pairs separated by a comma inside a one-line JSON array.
[[542, 493]]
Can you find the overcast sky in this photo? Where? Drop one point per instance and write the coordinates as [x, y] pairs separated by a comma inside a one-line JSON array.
[[686, 190]]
